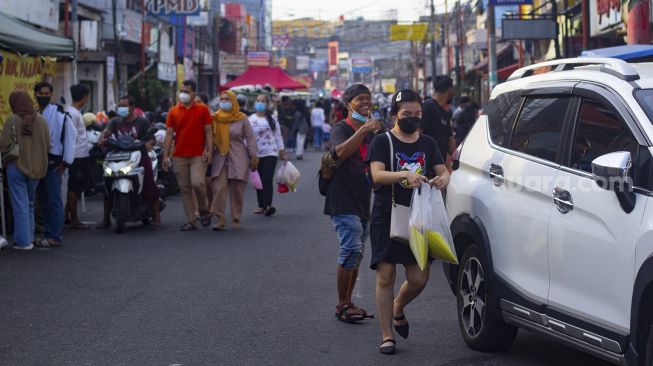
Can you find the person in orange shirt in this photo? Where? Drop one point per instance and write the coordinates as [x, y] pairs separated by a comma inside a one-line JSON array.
[[189, 123]]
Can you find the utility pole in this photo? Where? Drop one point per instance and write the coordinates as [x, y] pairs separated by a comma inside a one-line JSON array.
[[491, 48], [432, 32], [556, 41], [116, 38], [446, 63], [215, 44], [75, 27]]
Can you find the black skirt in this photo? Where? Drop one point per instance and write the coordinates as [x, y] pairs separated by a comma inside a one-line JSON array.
[[385, 249]]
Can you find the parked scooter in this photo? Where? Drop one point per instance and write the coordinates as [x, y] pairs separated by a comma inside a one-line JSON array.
[[123, 178]]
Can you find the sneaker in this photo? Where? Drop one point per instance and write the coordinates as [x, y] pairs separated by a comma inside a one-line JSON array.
[[3, 243], [29, 246]]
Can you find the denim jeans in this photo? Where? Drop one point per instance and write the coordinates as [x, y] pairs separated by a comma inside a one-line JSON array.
[[51, 204], [352, 233], [318, 137], [22, 191]]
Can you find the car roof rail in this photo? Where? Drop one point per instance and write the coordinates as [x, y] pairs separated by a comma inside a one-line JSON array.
[[613, 66]]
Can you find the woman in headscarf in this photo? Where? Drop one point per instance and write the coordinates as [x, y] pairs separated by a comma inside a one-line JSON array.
[[235, 156], [26, 164]]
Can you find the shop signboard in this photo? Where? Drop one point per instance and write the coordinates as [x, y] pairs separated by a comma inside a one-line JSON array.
[[333, 58], [166, 72], [173, 7], [362, 65], [317, 65], [605, 15], [259, 58]]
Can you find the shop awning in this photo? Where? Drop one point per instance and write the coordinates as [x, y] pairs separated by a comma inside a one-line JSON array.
[[626, 53], [505, 72], [262, 75], [22, 38], [503, 50]]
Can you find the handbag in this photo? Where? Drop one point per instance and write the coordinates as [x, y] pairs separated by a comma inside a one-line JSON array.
[[14, 150], [327, 166], [399, 214]]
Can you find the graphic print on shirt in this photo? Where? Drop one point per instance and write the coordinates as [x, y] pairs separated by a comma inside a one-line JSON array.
[[414, 164]]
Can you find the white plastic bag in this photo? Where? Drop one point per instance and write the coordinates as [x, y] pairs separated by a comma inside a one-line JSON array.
[[288, 175], [419, 221], [438, 233]]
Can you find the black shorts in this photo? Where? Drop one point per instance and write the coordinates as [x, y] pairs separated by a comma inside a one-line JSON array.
[[79, 175]]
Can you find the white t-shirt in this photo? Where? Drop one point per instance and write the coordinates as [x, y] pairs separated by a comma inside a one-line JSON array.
[[317, 117], [81, 144], [268, 142]]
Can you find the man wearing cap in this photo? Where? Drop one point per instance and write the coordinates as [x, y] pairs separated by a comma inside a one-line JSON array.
[[436, 120], [348, 195]]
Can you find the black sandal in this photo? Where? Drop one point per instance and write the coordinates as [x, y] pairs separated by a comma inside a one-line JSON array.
[[188, 227], [356, 315], [388, 350], [402, 330], [270, 211]]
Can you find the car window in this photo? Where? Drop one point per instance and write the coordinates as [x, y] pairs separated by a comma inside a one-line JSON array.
[[501, 112], [599, 131], [539, 127]]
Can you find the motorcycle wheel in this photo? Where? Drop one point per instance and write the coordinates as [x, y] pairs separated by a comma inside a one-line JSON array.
[[122, 212]]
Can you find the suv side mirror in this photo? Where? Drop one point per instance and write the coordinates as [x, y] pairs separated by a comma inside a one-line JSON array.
[[612, 173]]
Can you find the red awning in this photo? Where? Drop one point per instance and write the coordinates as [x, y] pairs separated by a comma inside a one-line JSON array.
[[507, 71], [262, 75]]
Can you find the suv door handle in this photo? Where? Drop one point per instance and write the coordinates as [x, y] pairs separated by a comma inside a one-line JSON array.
[[562, 199], [496, 173]]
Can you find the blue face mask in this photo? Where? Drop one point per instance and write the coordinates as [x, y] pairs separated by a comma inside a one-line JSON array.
[[359, 117], [123, 111], [260, 107], [226, 106]]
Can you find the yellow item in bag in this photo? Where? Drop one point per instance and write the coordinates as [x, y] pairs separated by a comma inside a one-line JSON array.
[[439, 248], [419, 247]]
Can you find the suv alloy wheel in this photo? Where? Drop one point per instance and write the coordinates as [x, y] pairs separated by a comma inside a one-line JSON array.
[[480, 329]]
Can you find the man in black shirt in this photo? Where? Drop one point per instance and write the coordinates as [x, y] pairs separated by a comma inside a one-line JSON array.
[[348, 196], [436, 121]]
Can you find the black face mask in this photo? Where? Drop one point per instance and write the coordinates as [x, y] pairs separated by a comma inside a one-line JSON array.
[[409, 124], [43, 101]]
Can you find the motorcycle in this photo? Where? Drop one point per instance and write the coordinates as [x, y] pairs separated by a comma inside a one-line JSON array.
[[123, 178]]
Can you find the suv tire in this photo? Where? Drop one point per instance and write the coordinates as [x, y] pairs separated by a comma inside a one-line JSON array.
[[648, 356], [477, 320]]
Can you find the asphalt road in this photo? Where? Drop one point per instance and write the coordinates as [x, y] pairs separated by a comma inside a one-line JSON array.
[[264, 295]]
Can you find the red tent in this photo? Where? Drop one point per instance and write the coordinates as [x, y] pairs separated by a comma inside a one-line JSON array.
[[261, 75]]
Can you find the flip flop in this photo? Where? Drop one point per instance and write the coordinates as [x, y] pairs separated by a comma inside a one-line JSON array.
[[79, 226]]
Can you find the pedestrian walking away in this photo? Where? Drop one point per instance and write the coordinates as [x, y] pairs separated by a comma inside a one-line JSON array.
[[436, 120], [348, 195], [317, 122], [24, 144], [269, 143], [63, 139], [400, 160], [300, 127], [190, 125], [79, 174], [234, 157]]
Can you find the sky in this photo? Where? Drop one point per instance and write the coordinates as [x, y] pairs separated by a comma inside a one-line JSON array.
[[408, 10]]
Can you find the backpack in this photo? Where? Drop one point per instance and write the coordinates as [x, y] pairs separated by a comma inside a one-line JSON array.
[[328, 163]]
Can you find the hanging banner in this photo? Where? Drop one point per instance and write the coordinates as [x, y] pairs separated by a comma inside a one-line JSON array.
[[362, 65], [18, 73], [333, 58], [410, 32], [166, 72], [173, 7], [259, 58]]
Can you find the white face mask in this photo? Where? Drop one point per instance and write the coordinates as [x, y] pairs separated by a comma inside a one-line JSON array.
[[184, 97]]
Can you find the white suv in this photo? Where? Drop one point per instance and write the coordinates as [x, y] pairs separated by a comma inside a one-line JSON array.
[[551, 209]]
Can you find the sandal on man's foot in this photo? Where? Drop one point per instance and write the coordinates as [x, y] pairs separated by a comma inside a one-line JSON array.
[[388, 347], [348, 313], [205, 220], [403, 329], [259, 211], [188, 227], [219, 227], [155, 225], [79, 226], [362, 311], [270, 211], [46, 243]]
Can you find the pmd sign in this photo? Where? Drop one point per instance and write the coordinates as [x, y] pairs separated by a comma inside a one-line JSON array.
[[173, 7]]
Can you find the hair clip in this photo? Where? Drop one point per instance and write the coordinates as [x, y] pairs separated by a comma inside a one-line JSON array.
[[398, 99]]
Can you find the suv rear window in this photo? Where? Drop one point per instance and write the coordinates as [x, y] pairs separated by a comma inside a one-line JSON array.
[[501, 112]]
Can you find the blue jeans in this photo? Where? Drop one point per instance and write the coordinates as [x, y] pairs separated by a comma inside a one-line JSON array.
[[22, 191], [352, 233], [318, 137], [51, 205]]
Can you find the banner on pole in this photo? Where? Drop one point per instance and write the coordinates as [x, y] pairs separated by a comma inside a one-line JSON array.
[[409, 32]]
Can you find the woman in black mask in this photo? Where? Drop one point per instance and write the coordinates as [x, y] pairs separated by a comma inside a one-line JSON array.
[[415, 159]]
